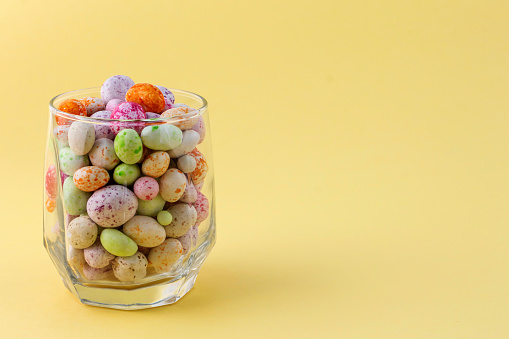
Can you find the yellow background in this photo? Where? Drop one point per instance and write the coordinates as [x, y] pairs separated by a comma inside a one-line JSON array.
[[361, 155]]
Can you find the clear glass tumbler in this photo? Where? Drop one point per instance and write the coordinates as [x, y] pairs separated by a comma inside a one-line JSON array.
[[81, 219]]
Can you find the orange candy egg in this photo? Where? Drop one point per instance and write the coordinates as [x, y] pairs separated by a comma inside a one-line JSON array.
[[71, 106], [184, 115], [199, 173], [50, 205], [147, 96], [91, 178]]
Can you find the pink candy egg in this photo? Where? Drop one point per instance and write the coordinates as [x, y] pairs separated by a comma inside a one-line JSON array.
[[127, 111], [169, 98], [202, 207], [51, 182], [146, 188], [200, 128], [103, 130], [112, 104]]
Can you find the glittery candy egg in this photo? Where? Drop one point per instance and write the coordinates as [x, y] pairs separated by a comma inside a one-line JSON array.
[[146, 188], [102, 129], [172, 185], [92, 104], [128, 146], [116, 87], [185, 117], [199, 173], [50, 183], [112, 206], [61, 133], [155, 164], [103, 154], [112, 104], [91, 178], [71, 106], [148, 96], [127, 111], [169, 98], [202, 207]]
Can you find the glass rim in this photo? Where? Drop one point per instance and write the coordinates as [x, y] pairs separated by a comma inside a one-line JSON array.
[[195, 113]]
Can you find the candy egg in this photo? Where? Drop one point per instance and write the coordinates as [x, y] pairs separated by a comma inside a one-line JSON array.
[[75, 200], [186, 163], [50, 205], [151, 207], [202, 207], [161, 137], [92, 273], [146, 188], [155, 164], [190, 193], [127, 111], [184, 217], [188, 240], [112, 206], [162, 257], [145, 231], [62, 132], [92, 105], [71, 106], [172, 185], [199, 173], [50, 182], [190, 140], [128, 146], [125, 174], [103, 154], [112, 104], [132, 268], [97, 256], [151, 115], [81, 232], [81, 137], [148, 96], [169, 98], [91, 178], [199, 186], [185, 117], [117, 243], [200, 128], [116, 87], [75, 257], [194, 234], [164, 218], [146, 151], [102, 129]]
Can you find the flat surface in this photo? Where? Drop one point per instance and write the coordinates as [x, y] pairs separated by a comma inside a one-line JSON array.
[[361, 152]]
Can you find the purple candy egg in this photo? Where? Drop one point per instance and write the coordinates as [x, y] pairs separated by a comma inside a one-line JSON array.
[[116, 87], [112, 206], [103, 130], [151, 115], [112, 104], [169, 98]]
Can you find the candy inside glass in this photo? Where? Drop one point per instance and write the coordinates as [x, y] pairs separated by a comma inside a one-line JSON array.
[[155, 289]]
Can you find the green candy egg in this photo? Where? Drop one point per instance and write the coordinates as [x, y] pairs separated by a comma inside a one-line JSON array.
[[117, 243], [71, 162], [164, 218], [75, 200], [126, 174], [128, 146], [161, 137], [151, 207]]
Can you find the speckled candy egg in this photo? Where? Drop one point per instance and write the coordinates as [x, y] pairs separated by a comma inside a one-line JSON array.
[[146, 188], [162, 257], [62, 132], [155, 164], [112, 206], [96, 256], [202, 207], [161, 137], [151, 207], [75, 200], [127, 111], [103, 130], [70, 162], [91, 178], [145, 231], [169, 98], [148, 96], [190, 193], [188, 240], [199, 127], [116, 87], [186, 163], [190, 140], [184, 217], [125, 174], [50, 205], [50, 182], [81, 137], [92, 273], [75, 257], [199, 173], [199, 186], [185, 117], [103, 154], [128, 146], [81, 232], [112, 104], [93, 105], [71, 106], [131, 268], [172, 185]]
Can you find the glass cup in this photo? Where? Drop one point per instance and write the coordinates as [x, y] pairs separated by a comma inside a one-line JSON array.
[[80, 235]]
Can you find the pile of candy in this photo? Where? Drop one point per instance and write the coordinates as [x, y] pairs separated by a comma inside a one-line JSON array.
[[131, 190]]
